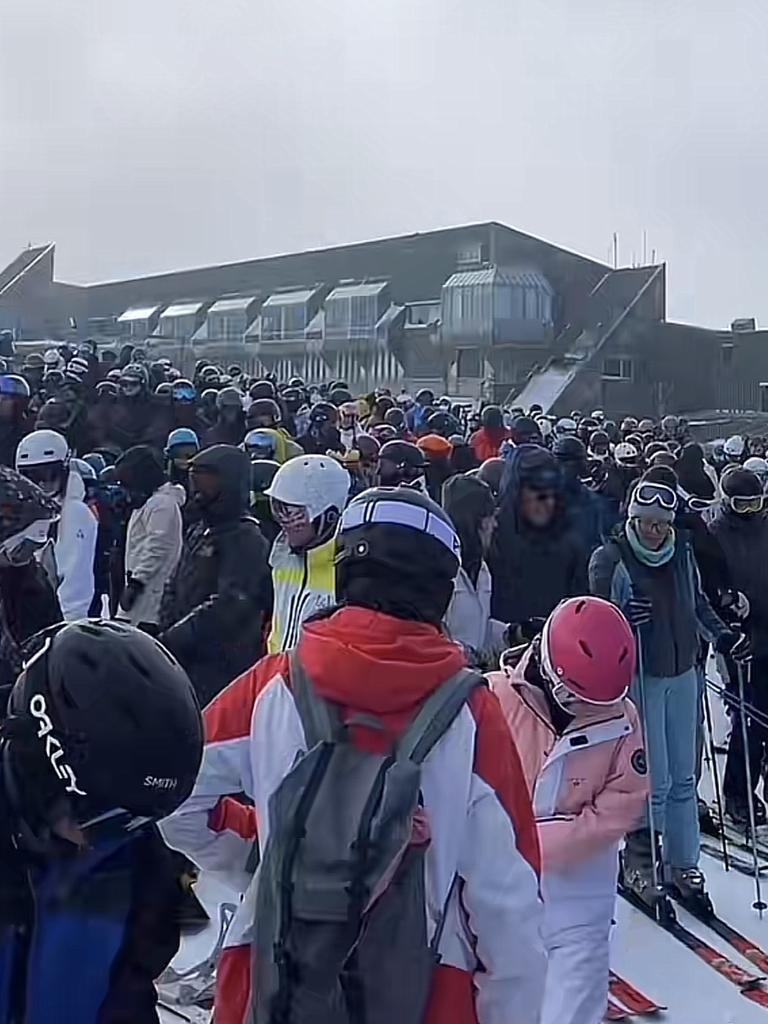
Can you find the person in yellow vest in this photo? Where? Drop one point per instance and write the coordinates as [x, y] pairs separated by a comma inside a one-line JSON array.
[[307, 497]]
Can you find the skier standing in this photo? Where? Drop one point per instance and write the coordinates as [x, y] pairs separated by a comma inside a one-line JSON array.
[[212, 611], [379, 658], [153, 539], [581, 746], [307, 496], [647, 568], [43, 457]]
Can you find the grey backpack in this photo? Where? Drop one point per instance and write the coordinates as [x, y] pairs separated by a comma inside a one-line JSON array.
[[341, 931]]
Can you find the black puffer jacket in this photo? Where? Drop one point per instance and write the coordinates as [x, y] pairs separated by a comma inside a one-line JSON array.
[[28, 603], [213, 608], [533, 570], [743, 541]]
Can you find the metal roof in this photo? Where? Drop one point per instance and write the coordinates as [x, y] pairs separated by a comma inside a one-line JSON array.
[[138, 313], [238, 305], [362, 290], [182, 309], [293, 298], [518, 277]]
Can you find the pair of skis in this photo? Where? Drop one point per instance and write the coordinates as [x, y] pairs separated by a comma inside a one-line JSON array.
[[749, 984], [626, 1001]]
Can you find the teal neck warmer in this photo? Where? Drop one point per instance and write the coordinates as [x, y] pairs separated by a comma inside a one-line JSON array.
[[643, 554]]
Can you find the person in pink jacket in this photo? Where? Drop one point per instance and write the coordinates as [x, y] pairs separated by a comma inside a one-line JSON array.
[[581, 746]]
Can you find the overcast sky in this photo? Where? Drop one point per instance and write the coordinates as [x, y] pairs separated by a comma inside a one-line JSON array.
[[148, 135]]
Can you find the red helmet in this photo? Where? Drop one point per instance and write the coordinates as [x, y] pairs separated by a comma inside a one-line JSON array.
[[588, 649]]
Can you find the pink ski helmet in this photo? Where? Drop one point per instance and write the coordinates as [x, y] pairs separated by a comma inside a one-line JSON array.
[[588, 649]]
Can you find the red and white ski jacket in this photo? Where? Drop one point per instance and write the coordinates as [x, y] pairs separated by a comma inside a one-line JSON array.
[[493, 962]]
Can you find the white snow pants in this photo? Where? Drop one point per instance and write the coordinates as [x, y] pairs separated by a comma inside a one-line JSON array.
[[576, 990]]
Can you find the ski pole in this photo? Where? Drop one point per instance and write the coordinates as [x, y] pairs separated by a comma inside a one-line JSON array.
[[758, 904], [715, 773], [651, 817]]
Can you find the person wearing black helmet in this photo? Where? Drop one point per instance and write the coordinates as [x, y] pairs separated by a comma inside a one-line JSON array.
[[379, 657], [14, 415], [740, 528], [402, 464], [536, 558], [322, 431], [582, 506], [102, 739], [213, 607], [230, 419]]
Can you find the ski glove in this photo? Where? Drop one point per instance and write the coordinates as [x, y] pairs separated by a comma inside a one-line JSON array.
[[130, 593], [737, 645], [638, 611]]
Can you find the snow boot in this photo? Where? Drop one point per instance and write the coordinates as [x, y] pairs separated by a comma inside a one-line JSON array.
[[738, 813], [689, 887]]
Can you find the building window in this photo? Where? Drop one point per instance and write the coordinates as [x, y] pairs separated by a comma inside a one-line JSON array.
[[726, 355], [468, 362], [618, 369]]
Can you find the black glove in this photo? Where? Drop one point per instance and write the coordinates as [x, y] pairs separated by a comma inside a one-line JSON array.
[[736, 645], [638, 611], [131, 593]]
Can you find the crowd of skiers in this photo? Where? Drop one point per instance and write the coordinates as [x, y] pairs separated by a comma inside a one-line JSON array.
[[328, 575]]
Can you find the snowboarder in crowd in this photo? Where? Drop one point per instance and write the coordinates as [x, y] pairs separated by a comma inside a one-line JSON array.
[[14, 415], [43, 457], [567, 708], [647, 568], [349, 424], [27, 595], [214, 605], [487, 441], [153, 539], [103, 737], [418, 413], [740, 528], [131, 415], [307, 497], [379, 659], [262, 474]]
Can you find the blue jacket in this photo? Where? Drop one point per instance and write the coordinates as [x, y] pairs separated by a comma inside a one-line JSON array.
[[99, 928]]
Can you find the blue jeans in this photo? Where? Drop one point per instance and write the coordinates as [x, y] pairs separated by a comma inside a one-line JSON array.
[[670, 713]]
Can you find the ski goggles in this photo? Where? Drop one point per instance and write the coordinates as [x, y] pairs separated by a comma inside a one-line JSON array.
[[699, 504], [648, 494], [746, 504]]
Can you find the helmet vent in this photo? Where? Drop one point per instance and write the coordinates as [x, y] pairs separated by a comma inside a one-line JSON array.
[[586, 649], [623, 655], [579, 608]]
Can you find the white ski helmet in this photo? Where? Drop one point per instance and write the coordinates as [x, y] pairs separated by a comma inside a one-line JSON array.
[[734, 447], [565, 425], [625, 454], [757, 466], [41, 448], [314, 482]]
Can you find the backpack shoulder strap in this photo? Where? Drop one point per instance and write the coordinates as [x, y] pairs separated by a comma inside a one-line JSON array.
[[318, 717], [437, 714]]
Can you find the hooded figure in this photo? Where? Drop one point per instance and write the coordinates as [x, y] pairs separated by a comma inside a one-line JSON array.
[[696, 477], [213, 608], [536, 559], [153, 540]]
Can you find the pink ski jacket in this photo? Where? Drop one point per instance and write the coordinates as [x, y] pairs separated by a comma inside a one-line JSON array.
[[588, 788]]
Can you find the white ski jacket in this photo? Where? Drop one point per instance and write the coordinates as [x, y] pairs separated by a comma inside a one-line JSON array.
[[153, 548], [74, 551]]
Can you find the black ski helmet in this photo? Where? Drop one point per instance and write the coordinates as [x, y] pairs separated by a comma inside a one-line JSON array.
[[400, 462], [103, 727], [398, 553]]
